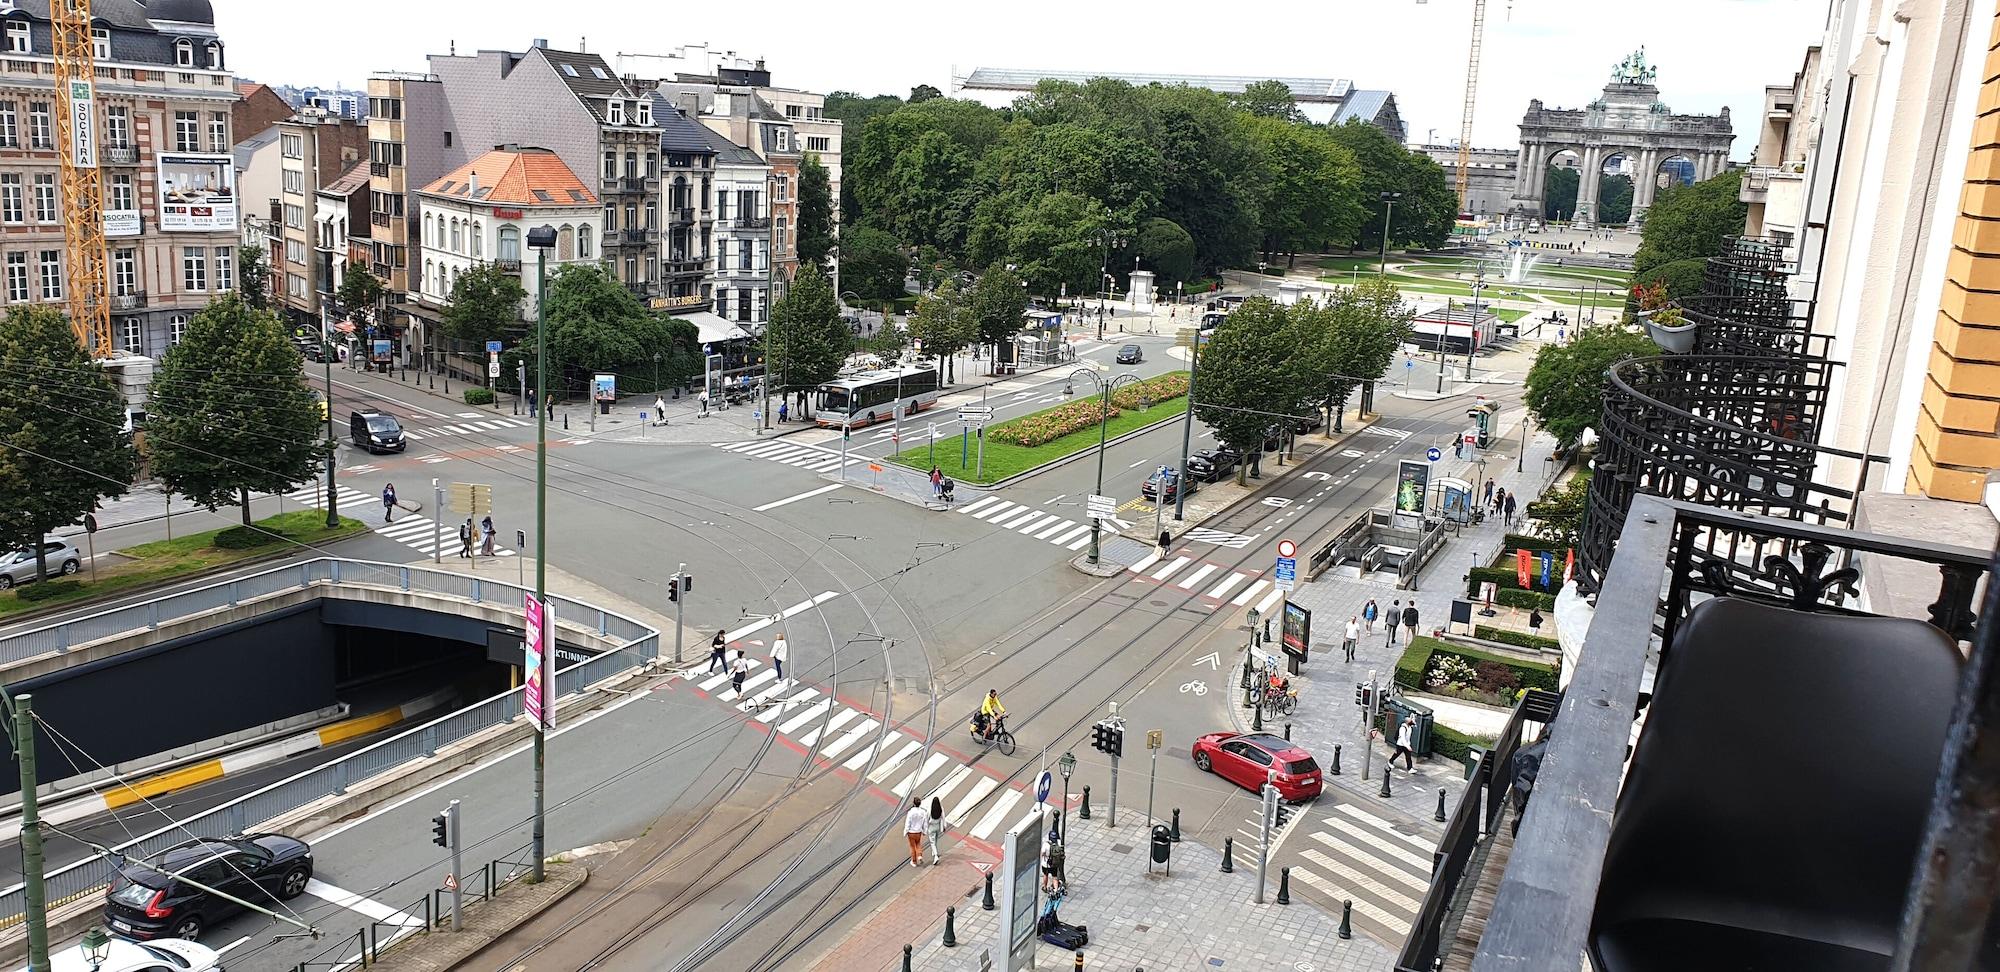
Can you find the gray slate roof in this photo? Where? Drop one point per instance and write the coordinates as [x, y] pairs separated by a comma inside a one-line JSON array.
[[728, 152], [678, 133]]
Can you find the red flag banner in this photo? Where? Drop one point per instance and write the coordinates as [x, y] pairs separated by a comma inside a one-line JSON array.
[[1523, 560], [1569, 565]]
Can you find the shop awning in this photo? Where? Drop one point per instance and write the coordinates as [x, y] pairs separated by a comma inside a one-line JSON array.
[[713, 328]]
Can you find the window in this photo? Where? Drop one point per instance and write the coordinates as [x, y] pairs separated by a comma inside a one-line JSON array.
[[124, 272], [631, 165], [17, 277], [386, 153], [295, 216], [510, 244], [10, 132], [194, 268], [599, 72], [784, 139], [295, 182], [457, 238], [742, 305], [792, 111], [187, 133], [569, 69], [583, 242], [430, 278], [39, 133], [652, 165], [610, 219], [177, 326], [743, 255], [610, 165], [129, 334], [783, 189], [722, 206], [218, 131], [291, 146], [645, 112], [616, 113], [631, 269], [631, 217], [52, 275], [477, 230], [10, 198], [117, 125], [652, 214], [17, 37], [225, 268], [295, 252], [121, 197], [386, 108], [295, 286], [214, 56], [45, 197], [184, 53], [818, 143], [778, 235]]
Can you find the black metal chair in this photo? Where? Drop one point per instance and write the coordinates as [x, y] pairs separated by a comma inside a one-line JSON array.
[[1774, 805]]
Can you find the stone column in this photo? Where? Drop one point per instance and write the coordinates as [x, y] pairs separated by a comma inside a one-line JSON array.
[[1586, 185]]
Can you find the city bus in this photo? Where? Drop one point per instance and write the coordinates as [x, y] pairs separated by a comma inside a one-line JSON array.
[[876, 396]]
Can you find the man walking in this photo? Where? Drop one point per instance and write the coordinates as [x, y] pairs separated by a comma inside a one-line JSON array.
[[738, 669], [389, 503], [913, 830], [1395, 615], [718, 651], [1410, 619], [1404, 734], [1510, 508], [465, 538], [1352, 633], [778, 654], [1489, 492]]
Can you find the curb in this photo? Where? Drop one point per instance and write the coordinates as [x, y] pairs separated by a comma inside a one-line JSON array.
[[53, 610]]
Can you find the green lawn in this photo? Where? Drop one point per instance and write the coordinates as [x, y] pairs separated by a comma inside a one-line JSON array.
[[1508, 313], [163, 560], [1004, 460]]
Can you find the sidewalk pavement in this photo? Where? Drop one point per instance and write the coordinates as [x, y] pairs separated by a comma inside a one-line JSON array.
[[1195, 917]]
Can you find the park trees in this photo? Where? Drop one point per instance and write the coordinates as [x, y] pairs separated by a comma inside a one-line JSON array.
[[230, 412], [64, 447], [1310, 189], [1251, 374], [815, 212], [253, 276], [1565, 387], [943, 325], [806, 341], [1355, 333], [1166, 249], [1689, 222], [1429, 205], [1270, 99], [1559, 193], [997, 301], [485, 305], [872, 263]]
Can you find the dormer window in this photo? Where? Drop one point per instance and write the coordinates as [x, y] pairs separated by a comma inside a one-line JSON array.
[[100, 43], [645, 112], [17, 37], [617, 112], [214, 56], [782, 139], [184, 53]]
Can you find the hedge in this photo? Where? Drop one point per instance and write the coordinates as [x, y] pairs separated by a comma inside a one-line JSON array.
[[1526, 600], [1519, 541], [49, 590], [478, 396], [1518, 638], [1508, 578], [244, 538], [1410, 667]]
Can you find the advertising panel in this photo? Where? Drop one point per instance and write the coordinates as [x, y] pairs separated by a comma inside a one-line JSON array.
[[122, 222], [532, 665], [1297, 629], [1413, 480], [197, 193]]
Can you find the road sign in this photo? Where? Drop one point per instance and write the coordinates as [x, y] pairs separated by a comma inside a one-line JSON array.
[[451, 882], [492, 347], [1042, 784], [1288, 573], [1100, 507], [1287, 550], [493, 367], [1433, 454], [1153, 737], [1471, 439], [975, 410], [473, 499]]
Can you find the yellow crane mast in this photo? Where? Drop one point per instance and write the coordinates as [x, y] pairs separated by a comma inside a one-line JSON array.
[[1471, 90], [82, 184]]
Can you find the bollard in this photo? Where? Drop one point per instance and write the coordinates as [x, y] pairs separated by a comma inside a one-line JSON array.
[[1284, 886], [906, 958], [1175, 832], [1084, 812], [565, 421], [1079, 960], [1228, 855], [986, 903], [1385, 783], [950, 928], [1347, 919], [1336, 761], [1440, 814], [1257, 718], [1288, 732]]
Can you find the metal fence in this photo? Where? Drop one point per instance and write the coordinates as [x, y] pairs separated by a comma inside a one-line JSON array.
[[638, 643]]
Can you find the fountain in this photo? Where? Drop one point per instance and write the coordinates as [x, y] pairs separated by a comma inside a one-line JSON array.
[[1517, 272]]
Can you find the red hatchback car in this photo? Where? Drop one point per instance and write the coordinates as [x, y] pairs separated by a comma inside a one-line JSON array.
[[1248, 759]]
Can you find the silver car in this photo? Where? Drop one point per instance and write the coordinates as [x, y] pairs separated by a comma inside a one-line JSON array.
[[18, 567]]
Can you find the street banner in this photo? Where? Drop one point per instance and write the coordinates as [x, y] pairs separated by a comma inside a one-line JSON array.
[[1521, 568], [1569, 564], [1412, 485], [533, 624], [1548, 567]]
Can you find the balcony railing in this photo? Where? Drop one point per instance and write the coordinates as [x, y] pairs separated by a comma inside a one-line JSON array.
[[641, 288], [681, 267], [635, 184], [681, 215], [121, 155], [508, 264], [739, 272], [641, 235], [752, 222], [128, 301]]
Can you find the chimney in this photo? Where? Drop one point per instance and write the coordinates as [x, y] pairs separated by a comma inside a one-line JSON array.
[[542, 43], [472, 185], [581, 47]]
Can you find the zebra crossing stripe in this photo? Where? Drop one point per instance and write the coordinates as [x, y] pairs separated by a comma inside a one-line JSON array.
[[1176, 564], [1002, 508], [923, 772], [1367, 908], [1060, 525], [1188, 583], [771, 713], [1264, 606], [1035, 526], [978, 503], [1358, 877], [863, 755], [812, 712], [841, 718], [983, 786], [1344, 842], [1249, 592], [835, 748], [1388, 828], [888, 766], [994, 817], [952, 781]]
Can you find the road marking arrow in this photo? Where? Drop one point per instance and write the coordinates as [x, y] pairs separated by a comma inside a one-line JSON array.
[[1316, 475], [1213, 658]]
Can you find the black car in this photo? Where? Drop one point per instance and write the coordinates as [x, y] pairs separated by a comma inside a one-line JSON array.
[[149, 899], [1211, 465], [1167, 486], [375, 431], [1130, 354]]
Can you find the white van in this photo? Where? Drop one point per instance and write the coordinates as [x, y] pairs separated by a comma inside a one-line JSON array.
[[160, 955]]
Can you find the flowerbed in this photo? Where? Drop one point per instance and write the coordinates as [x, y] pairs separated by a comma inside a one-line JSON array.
[[1051, 424], [1151, 392]]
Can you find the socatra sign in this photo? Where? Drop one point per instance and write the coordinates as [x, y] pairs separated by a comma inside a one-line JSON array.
[[499, 213]]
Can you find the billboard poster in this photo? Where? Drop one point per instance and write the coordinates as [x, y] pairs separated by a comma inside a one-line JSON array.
[[1548, 559], [1297, 629], [197, 193], [534, 623], [82, 124], [1413, 481], [604, 388]]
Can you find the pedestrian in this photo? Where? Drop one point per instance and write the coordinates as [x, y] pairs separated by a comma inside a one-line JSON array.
[[389, 503], [937, 481], [1352, 634], [1165, 540], [1371, 614], [1404, 734], [1498, 501], [784, 411], [1510, 508], [465, 538], [1489, 490], [531, 401], [660, 409], [716, 650], [934, 827], [738, 669], [1534, 620], [914, 823], [1048, 866], [1395, 614], [486, 535], [778, 654], [1410, 619], [704, 403]]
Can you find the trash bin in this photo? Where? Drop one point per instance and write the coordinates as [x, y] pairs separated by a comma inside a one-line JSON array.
[[1393, 711], [1163, 845]]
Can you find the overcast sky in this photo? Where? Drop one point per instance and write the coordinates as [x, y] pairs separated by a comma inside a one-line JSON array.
[[1709, 53]]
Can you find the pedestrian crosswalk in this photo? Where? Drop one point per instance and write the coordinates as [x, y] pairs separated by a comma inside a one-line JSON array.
[[412, 530], [1217, 584], [1220, 538], [809, 458], [1030, 521], [466, 427], [1348, 852], [978, 803]]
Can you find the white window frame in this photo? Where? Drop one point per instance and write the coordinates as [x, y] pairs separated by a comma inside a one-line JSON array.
[[615, 113], [19, 40], [45, 198], [51, 274], [17, 277], [215, 55], [194, 269], [225, 268], [187, 131], [13, 205], [218, 132], [100, 43], [583, 242], [184, 53], [645, 112], [41, 132], [124, 272], [131, 334], [177, 326], [117, 126]]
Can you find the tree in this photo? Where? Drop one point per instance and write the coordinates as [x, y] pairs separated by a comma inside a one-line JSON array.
[[816, 240], [1167, 250], [1566, 384], [253, 276], [359, 291], [997, 301], [1689, 222], [1682, 278], [594, 322], [1309, 186], [62, 441], [1356, 336], [1052, 242], [230, 411], [872, 263], [1429, 206], [942, 324], [1559, 513], [1559, 193], [806, 342], [1270, 99], [924, 92], [485, 304], [1614, 198], [1250, 374]]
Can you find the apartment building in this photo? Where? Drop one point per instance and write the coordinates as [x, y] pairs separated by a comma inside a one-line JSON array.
[[741, 280], [687, 188], [480, 213], [164, 95], [314, 149], [696, 67], [407, 148], [341, 228], [746, 119]]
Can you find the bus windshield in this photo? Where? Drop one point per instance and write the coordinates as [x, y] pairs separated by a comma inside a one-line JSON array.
[[833, 399]]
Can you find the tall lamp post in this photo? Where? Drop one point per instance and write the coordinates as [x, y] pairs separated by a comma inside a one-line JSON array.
[[1104, 390], [332, 440], [1388, 206], [542, 239], [1107, 240]]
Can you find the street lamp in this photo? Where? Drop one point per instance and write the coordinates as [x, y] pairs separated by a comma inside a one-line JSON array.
[[1104, 390], [1066, 765], [542, 239], [96, 945], [332, 440], [1388, 206]]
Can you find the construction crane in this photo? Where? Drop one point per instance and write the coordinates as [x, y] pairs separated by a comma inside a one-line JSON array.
[[1471, 94], [82, 184]]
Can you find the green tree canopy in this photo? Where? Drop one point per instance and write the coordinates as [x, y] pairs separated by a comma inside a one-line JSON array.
[[485, 305], [1310, 190], [1270, 99], [806, 342], [997, 302], [1356, 332], [1565, 387], [924, 92], [1559, 193], [62, 441], [943, 324], [1052, 242], [230, 412], [1251, 373], [1429, 205], [1614, 198], [1166, 249], [1681, 277], [1689, 222], [359, 291], [872, 263], [253, 276], [815, 212]]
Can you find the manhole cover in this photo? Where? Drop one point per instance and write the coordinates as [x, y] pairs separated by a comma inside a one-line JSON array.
[[1157, 603]]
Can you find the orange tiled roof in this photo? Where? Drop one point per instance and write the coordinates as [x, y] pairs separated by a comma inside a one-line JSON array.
[[527, 177]]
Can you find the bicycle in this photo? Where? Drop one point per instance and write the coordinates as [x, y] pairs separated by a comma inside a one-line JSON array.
[[1281, 703], [999, 736]]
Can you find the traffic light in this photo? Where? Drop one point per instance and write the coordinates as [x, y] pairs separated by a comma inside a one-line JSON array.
[[1115, 737], [1363, 695], [687, 583], [673, 588], [440, 831], [1097, 737]]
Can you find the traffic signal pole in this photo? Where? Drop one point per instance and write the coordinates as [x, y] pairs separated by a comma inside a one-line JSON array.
[[680, 609], [34, 895]]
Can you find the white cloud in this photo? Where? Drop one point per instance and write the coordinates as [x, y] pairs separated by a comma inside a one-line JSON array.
[[1710, 53]]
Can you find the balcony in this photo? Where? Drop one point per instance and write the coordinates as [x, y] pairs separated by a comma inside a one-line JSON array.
[[641, 288], [739, 272], [637, 184], [752, 223], [378, 169], [508, 264], [128, 301], [380, 219], [120, 155], [678, 266], [681, 215], [640, 237]]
